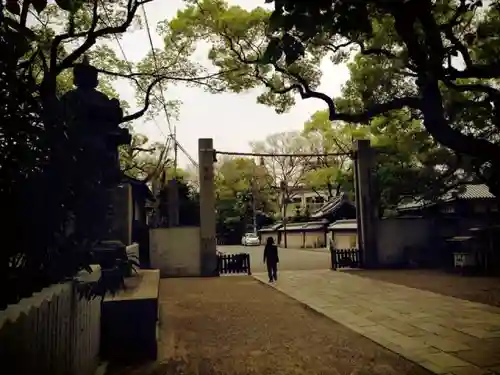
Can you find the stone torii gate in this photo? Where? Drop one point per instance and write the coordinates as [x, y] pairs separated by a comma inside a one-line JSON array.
[[366, 204], [208, 242]]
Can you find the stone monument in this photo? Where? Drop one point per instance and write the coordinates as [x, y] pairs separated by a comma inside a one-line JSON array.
[[92, 121]]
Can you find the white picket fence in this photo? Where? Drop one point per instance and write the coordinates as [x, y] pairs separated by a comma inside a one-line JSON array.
[[54, 332]]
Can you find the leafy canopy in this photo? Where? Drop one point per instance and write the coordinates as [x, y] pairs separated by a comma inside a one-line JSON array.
[[439, 60], [237, 44], [241, 185]]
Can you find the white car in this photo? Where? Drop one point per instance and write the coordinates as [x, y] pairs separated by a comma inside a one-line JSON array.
[[250, 239]]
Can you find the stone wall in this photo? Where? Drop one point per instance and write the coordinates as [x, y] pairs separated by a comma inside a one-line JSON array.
[[314, 240], [294, 240], [345, 240], [53, 332], [175, 251], [395, 235]]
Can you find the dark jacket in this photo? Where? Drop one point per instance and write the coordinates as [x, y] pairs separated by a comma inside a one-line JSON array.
[[271, 254]]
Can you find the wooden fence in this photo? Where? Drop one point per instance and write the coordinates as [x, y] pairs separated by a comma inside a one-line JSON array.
[[53, 332], [343, 258], [233, 264]]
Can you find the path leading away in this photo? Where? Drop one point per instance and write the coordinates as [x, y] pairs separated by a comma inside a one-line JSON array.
[[290, 259], [237, 326], [445, 335]]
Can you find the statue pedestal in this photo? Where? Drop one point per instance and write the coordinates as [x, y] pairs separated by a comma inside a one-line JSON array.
[[129, 319]]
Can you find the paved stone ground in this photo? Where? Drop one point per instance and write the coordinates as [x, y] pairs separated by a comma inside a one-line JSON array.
[[445, 335], [472, 288]]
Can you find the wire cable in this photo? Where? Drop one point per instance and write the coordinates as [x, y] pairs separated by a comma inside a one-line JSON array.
[[173, 133], [257, 154], [129, 66], [157, 69]]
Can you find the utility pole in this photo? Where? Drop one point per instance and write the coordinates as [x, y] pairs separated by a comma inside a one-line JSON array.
[[254, 213], [173, 191], [175, 149], [283, 199]]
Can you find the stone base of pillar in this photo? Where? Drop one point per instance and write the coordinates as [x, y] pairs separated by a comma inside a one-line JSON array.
[[208, 257]]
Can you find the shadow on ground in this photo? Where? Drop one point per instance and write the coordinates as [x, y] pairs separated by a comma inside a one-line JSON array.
[[236, 325]]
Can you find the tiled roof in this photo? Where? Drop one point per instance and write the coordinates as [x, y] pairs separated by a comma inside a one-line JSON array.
[[330, 207], [271, 228], [311, 225], [465, 192], [479, 191], [413, 205], [344, 224]]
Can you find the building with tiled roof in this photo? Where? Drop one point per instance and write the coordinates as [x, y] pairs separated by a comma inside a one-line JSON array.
[[467, 199], [313, 233]]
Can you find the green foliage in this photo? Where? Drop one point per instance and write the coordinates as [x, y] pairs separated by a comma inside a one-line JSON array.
[[237, 39], [47, 21], [34, 187], [409, 161], [241, 184], [189, 204], [437, 59], [144, 161], [281, 52], [45, 182], [331, 173]]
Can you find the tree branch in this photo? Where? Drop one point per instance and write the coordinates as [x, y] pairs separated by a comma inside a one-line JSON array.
[[140, 149], [91, 35], [306, 92], [158, 79], [24, 13], [139, 113], [19, 28], [134, 75], [491, 91], [484, 71], [377, 51]]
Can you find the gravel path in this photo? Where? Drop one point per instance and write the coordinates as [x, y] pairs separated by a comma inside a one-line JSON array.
[[237, 326]]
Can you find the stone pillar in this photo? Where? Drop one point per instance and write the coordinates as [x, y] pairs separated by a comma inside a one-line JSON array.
[[173, 203], [365, 204], [123, 211], [208, 255]]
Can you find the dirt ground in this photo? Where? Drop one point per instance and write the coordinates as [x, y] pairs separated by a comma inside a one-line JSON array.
[[237, 326], [478, 289]]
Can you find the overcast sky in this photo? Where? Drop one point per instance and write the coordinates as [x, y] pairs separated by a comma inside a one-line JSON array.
[[232, 120]]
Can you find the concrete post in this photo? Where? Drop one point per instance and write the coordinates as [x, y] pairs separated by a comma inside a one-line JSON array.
[[365, 205], [173, 203], [284, 197], [208, 248]]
